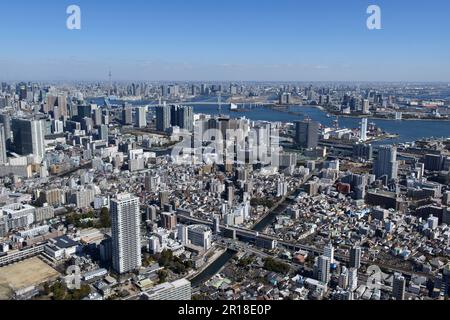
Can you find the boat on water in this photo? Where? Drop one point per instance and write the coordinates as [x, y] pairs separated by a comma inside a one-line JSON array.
[[233, 107]]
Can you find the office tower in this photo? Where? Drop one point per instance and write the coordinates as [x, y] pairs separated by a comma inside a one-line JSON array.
[[352, 279], [323, 269], [127, 115], [179, 290], [203, 89], [182, 116], [365, 106], [363, 151], [141, 117], [87, 125], [3, 155], [163, 90], [398, 287], [307, 134], [126, 233], [328, 251], [355, 257], [28, 137], [364, 130], [97, 116], [6, 121], [56, 103], [162, 118], [57, 126], [434, 162], [386, 163], [84, 111], [186, 118], [103, 132], [200, 236]]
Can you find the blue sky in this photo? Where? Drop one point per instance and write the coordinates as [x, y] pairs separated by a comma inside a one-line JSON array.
[[320, 40]]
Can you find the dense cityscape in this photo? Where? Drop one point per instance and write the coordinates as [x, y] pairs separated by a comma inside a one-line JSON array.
[[121, 190]]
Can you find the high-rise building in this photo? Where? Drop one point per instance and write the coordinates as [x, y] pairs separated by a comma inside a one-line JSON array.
[[182, 233], [162, 118], [141, 117], [6, 121], [328, 251], [364, 124], [182, 116], [103, 132], [307, 134], [127, 115], [398, 287], [323, 269], [28, 137], [355, 257], [362, 151], [365, 106], [97, 116], [386, 163], [3, 155], [352, 279], [168, 220], [126, 233]]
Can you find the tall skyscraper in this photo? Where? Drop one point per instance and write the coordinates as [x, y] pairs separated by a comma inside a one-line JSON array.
[[364, 124], [182, 116], [307, 134], [365, 106], [398, 287], [352, 279], [355, 257], [162, 118], [3, 155], [127, 115], [141, 117], [323, 269], [328, 251], [103, 132], [126, 235], [28, 137], [386, 163], [6, 121]]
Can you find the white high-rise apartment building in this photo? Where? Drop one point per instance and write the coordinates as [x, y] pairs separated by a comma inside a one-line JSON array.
[[364, 124], [126, 235]]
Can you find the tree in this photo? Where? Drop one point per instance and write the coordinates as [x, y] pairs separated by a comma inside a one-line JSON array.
[[271, 264], [105, 218], [162, 274]]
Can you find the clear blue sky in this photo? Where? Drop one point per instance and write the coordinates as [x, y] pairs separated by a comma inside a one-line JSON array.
[[226, 40]]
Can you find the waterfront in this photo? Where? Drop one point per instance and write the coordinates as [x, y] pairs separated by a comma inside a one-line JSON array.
[[408, 130]]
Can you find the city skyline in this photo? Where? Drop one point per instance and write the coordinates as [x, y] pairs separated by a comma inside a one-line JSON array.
[[238, 41]]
